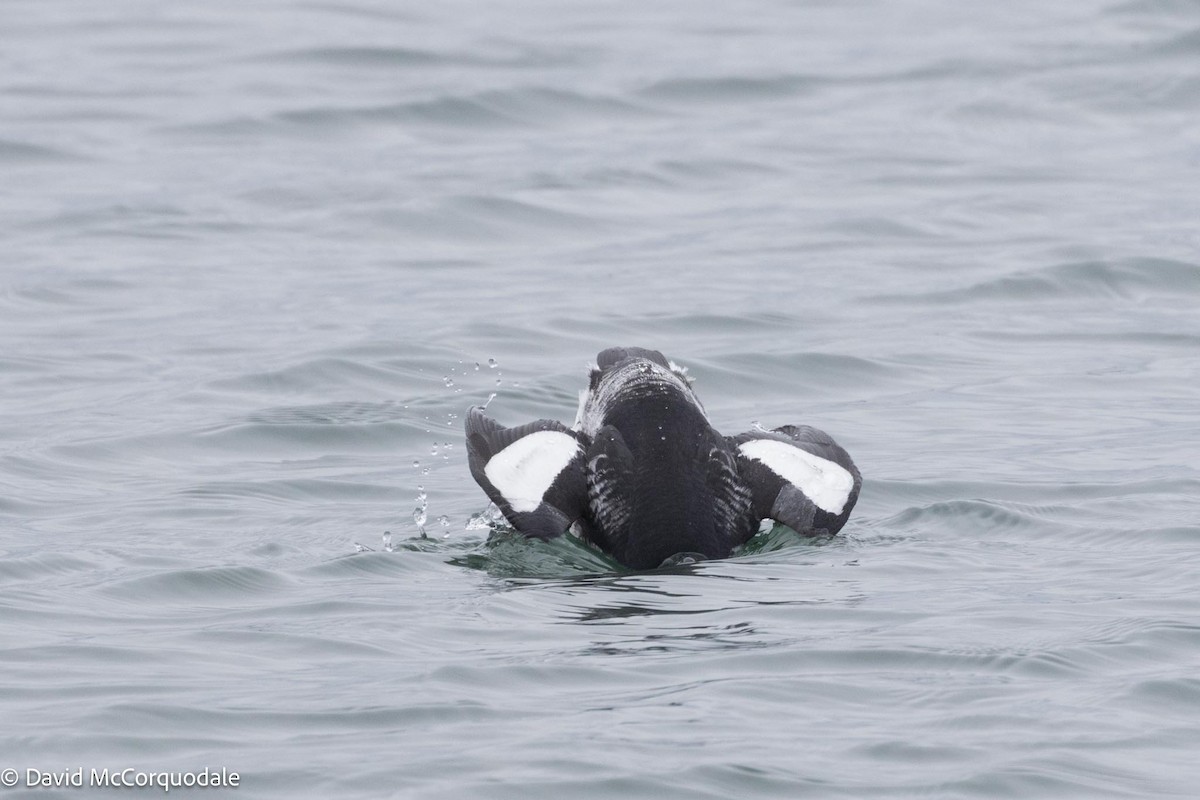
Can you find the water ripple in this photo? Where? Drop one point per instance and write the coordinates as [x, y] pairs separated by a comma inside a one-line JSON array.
[[1132, 279], [727, 89], [207, 586], [15, 152], [490, 110]]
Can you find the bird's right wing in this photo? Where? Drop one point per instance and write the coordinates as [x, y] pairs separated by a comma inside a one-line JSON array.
[[798, 476]]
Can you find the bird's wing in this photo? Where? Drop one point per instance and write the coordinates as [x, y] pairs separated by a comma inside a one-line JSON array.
[[798, 476], [533, 473]]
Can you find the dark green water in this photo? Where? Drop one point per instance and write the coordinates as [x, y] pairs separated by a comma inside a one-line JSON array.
[[256, 258]]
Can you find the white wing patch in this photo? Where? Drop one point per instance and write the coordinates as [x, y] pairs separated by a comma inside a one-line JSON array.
[[524, 470], [827, 484]]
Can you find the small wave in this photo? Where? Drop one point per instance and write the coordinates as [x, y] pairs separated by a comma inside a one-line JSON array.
[[388, 565], [808, 372], [313, 374], [41, 566], [388, 57], [1185, 45], [1188, 341], [537, 105], [293, 490], [203, 586], [139, 221], [1157, 9], [726, 323], [12, 152], [448, 111], [1018, 493], [1132, 278], [511, 214], [525, 107], [77, 294], [955, 513], [344, 413], [249, 437], [391, 58], [726, 89], [1059, 776], [483, 218], [1177, 697], [1142, 635], [291, 645], [352, 720], [877, 228], [709, 169]]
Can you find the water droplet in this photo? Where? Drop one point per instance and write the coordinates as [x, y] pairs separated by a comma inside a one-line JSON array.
[[387, 541], [359, 548], [477, 366], [444, 521], [433, 451], [498, 381], [492, 363], [419, 514], [491, 397], [416, 463], [446, 380], [425, 470]]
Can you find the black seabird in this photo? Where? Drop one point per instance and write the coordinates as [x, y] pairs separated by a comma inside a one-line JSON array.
[[644, 476]]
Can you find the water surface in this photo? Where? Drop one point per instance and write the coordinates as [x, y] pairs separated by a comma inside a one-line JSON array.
[[256, 260]]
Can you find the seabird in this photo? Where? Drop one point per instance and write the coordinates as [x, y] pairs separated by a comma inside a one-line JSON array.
[[645, 477]]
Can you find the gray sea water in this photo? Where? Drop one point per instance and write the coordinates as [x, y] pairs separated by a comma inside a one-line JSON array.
[[256, 259]]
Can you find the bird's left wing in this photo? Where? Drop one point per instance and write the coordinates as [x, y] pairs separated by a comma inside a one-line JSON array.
[[533, 473]]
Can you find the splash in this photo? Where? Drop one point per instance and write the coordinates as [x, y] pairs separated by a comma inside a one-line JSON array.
[[486, 519], [420, 513]]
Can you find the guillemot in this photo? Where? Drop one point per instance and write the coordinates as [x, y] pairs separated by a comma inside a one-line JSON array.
[[645, 477]]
